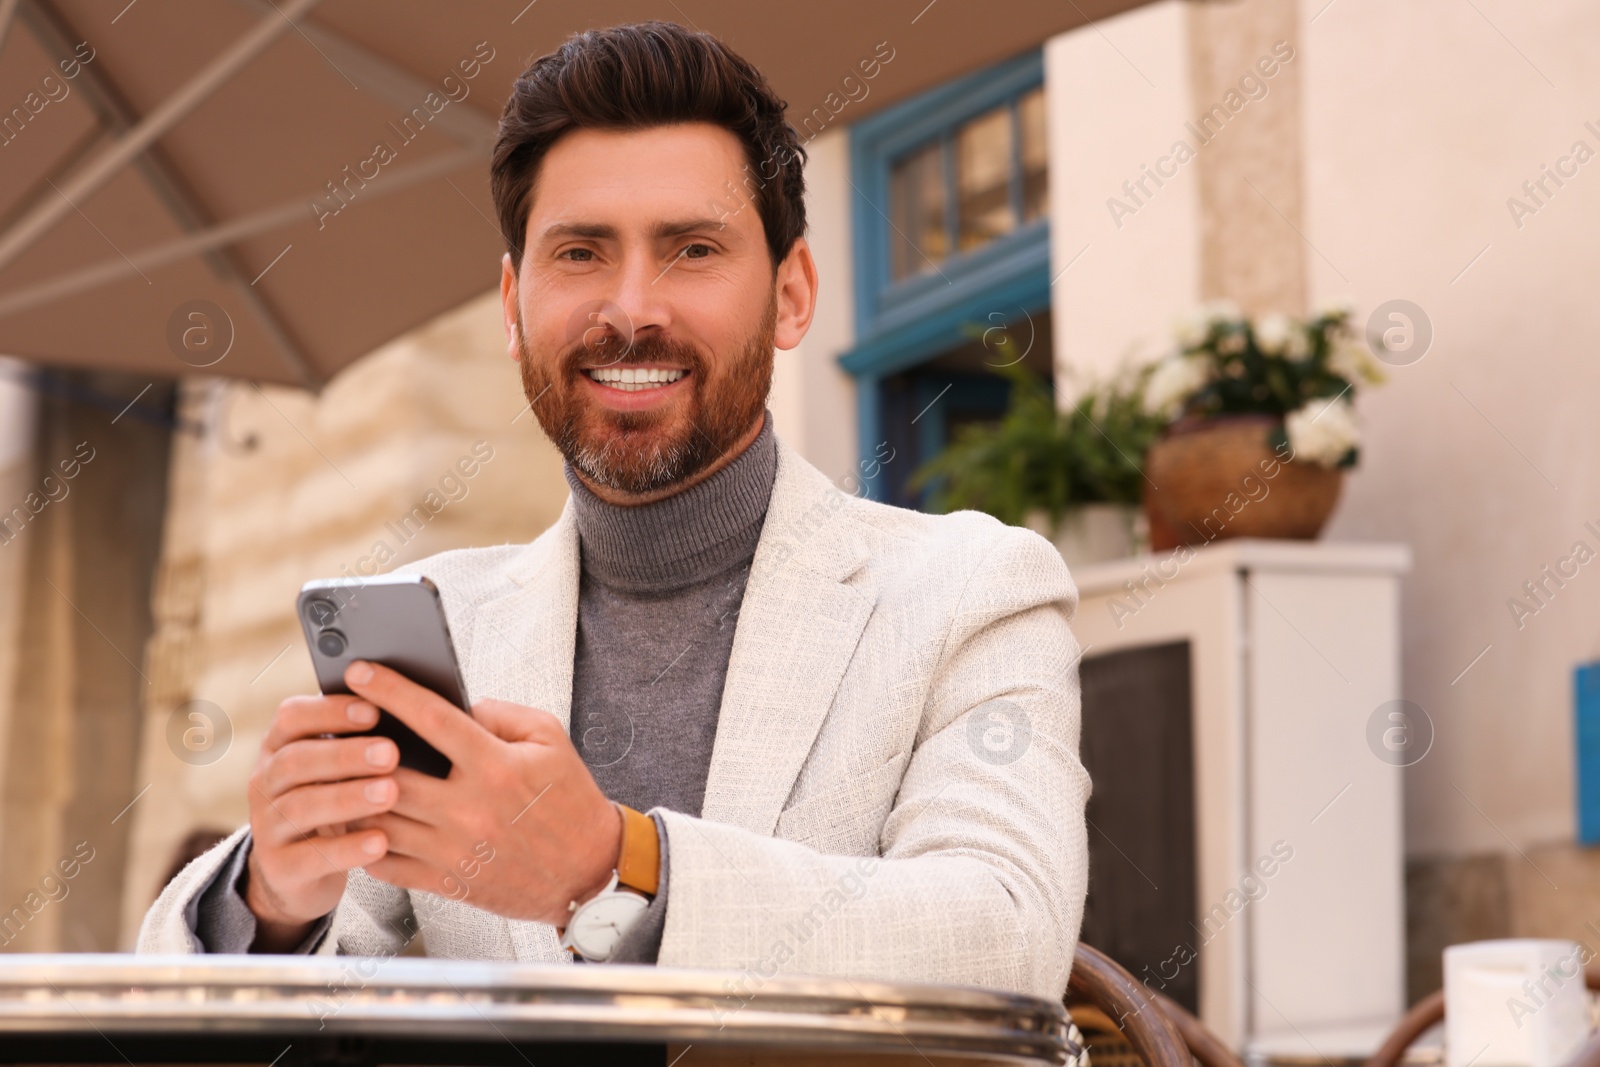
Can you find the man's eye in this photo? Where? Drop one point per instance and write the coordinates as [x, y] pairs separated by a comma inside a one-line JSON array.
[[577, 255], [696, 251]]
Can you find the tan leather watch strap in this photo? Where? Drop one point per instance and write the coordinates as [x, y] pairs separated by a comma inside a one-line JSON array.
[[639, 865]]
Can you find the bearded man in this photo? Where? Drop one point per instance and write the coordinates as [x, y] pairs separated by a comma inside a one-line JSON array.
[[728, 715]]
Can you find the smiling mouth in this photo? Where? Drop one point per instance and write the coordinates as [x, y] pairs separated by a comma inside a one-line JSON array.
[[634, 379]]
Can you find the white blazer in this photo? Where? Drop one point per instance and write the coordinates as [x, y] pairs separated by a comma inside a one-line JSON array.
[[894, 792]]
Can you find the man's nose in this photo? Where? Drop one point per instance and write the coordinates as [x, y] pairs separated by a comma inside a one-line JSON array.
[[638, 296]]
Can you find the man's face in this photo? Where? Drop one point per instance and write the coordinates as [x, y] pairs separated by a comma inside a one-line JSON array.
[[646, 307]]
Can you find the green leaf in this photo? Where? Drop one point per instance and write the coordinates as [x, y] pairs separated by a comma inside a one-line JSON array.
[[1036, 458]]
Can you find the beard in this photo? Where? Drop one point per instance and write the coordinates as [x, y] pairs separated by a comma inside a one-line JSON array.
[[640, 452]]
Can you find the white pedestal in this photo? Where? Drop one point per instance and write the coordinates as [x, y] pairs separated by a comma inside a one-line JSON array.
[[1294, 646]]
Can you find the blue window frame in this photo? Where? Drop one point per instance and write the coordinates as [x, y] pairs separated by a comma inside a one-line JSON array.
[[911, 306]]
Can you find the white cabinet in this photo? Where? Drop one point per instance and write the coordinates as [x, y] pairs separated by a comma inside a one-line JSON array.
[[1294, 648]]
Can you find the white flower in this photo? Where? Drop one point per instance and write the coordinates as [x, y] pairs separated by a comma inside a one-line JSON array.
[[1322, 432], [1351, 361], [1173, 382], [1222, 311], [1299, 345], [1190, 329], [1273, 333]]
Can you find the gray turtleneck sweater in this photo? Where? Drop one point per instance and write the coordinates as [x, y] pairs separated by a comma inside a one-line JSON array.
[[658, 599], [657, 603]]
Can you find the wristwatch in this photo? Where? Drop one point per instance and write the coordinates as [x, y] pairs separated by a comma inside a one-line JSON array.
[[598, 925]]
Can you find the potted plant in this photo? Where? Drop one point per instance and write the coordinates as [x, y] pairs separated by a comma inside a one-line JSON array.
[[1073, 476], [1260, 425]]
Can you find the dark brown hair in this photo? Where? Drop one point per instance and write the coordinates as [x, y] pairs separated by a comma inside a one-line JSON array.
[[639, 76]]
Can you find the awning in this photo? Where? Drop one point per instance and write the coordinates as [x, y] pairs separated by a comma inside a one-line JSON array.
[[269, 189]]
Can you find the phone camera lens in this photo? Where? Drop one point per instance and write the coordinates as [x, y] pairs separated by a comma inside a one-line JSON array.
[[331, 643], [321, 612]]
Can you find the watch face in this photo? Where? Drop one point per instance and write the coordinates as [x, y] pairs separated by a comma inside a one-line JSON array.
[[600, 924]]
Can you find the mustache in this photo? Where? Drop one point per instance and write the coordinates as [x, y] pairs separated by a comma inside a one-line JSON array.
[[613, 350]]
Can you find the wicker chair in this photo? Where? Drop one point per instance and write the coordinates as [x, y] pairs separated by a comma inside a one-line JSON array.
[[1207, 1049], [1122, 1021]]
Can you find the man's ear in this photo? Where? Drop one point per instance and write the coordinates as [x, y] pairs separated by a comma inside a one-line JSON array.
[[796, 285], [508, 307]]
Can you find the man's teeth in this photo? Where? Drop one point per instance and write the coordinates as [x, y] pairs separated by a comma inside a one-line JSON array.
[[632, 379]]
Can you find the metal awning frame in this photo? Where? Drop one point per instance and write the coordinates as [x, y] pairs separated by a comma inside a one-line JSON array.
[[135, 144]]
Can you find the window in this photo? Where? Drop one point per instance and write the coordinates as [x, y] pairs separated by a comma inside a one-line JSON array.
[[1033, 159], [951, 232], [972, 185], [920, 410], [916, 203]]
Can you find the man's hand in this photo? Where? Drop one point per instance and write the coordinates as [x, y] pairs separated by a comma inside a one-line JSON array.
[[305, 791], [519, 827]]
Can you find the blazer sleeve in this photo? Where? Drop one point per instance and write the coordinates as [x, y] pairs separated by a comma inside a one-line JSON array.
[[983, 859], [372, 918], [171, 924]]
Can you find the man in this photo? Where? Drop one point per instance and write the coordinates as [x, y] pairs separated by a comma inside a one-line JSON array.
[[853, 727]]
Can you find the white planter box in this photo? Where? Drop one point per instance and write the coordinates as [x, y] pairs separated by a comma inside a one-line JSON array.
[[1294, 648]]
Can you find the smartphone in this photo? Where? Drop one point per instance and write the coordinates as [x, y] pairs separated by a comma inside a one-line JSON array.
[[397, 620]]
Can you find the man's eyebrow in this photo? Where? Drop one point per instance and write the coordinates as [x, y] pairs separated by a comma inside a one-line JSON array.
[[598, 231], [604, 231], [681, 227]]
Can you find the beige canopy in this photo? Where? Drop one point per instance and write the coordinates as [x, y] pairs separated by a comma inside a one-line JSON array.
[[268, 189]]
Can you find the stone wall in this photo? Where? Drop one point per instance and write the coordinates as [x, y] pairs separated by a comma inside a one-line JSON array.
[[82, 537], [283, 487]]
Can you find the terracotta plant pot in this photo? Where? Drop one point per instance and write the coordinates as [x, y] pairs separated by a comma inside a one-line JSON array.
[[1220, 478]]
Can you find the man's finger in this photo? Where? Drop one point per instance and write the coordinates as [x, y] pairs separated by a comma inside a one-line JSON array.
[[326, 759], [513, 722], [316, 857], [440, 723], [404, 872], [427, 800], [301, 812], [311, 716], [423, 797], [407, 837]]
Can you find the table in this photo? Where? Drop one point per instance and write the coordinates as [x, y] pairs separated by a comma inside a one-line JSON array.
[[288, 1011]]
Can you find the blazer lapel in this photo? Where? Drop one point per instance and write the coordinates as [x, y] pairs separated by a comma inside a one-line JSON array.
[[523, 642], [805, 605], [799, 624]]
